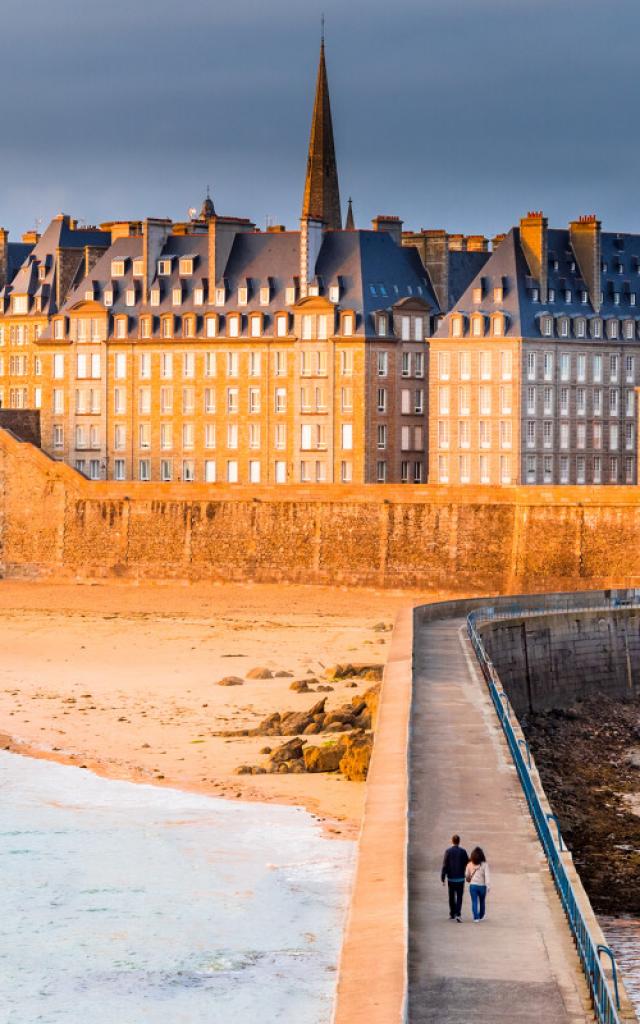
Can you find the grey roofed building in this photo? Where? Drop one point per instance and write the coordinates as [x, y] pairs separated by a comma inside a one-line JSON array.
[[56, 262], [568, 293], [371, 270]]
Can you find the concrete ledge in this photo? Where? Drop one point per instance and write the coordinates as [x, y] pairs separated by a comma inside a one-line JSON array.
[[372, 982]]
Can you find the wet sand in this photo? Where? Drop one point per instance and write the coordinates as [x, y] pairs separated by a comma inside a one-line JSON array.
[[122, 679]]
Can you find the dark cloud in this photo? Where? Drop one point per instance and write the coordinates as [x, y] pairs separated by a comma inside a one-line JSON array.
[[459, 114]]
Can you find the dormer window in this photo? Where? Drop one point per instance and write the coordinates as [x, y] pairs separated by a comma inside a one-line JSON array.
[[138, 267], [477, 326], [604, 267], [373, 289], [20, 304], [334, 293], [547, 326], [186, 266], [564, 327], [616, 298], [556, 265], [188, 327], [155, 296], [88, 295], [347, 324], [211, 326], [535, 294], [108, 297], [176, 296], [632, 298], [130, 297], [58, 329], [498, 293], [629, 329], [613, 329], [243, 295], [281, 326], [584, 297], [121, 327], [167, 327], [567, 295], [551, 295], [381, 326], [198, 296], [596, 328], [456, 326], [290, 295], [233, 326], [164, 268], [477, 295], [42, 272], [117, 268], [314, 289], [498, 326], [145, 326], [580, 328], [221, 296], [255, 326], [265, 295]]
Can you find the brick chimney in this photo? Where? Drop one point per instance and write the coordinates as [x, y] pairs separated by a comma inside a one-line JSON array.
[[392, 225], [433, 247], [4, 256], [584, 235], [533, 239]]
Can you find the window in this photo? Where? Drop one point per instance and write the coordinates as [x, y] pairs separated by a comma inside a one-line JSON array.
[[614, 363], [484, 428], [346, 472], [210, 471], [334, 293], [188, 365], [347, 436], [505, 365], [581, 435], [232, 471], [281, 326], [58, 436], [630, 405], [443, 433], [120, 437], [581, 402], [505, 399], [221, 296], [188, 470], [564, 469], [144, 435], [629, 330], [614, 408], [209, 435], [256, 326], [564, 401], [254, 435], [464, 400], [347, 324], [485, 366], [58, 400], [456, 330], [233, 364], [597, 436], [119, 469], [505, 433], [232, 435], [597, 402], [280, 437], [597, 368], [144, 469], [58, 329], [444, 365], [233, 326], [211, 326], [581, 366], [548, 365], [404, 472], [383, 363], [465, 469], [210, 364], [485, 401], [464, 434], [465, 366], [280, 364], [144, 365], [485, 475], [629, 375], [443, 469], [477, 326], [531, 434], [381, 471], [232, 400], [382, 399], [346, 399], [547, 326], [564, 435], [117, 268], [419, 364], [346, 363], [628, 470], [505, 469], [405, 439], [405, 401], [382, 435], [167, 327], [281, 472], [120, 366], [443, 400], [281, 400], [166, 436], [419, 402], [565, 366], [614, 439], [405, 328], [166, 400], [58, 366], [406, 364]]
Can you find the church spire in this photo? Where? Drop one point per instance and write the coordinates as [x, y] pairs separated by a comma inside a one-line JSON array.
[[321, 193], [350, 224]]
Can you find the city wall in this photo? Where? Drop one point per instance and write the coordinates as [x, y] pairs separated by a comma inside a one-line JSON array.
[[53, 522], [550, 661]]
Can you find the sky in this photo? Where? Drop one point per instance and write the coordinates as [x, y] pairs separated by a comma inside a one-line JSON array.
[[457, 114]]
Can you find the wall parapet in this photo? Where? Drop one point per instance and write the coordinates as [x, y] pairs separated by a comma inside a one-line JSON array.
[[54, 522]]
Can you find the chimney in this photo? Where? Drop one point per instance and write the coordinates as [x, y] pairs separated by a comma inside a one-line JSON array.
[[584, 235], [155, 232], [68, 262], [495, 241], [31, 237], [311, 235], [4, 257], [433, 247], [222, 232], [533, 240], [392, 225], [477, 243]]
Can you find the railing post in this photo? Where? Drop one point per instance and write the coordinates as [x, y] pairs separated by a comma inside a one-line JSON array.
[[554, 817], [523, 743], [614, 970]]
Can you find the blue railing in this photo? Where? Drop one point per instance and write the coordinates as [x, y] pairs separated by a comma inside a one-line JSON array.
[[606, 1003]]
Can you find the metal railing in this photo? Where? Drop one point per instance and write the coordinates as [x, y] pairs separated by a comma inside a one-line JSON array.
[[606, 1004]]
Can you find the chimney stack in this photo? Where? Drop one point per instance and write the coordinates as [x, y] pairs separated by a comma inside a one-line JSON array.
[[534, 242], [433, 247], [222, 231], [392, 225], [584, 235], [155, 232]]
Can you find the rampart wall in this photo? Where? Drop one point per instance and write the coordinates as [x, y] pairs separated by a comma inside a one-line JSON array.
[[468, 539], [549, 661]]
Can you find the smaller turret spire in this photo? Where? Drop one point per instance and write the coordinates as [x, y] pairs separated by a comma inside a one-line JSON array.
[[349, 224], [208, 210]]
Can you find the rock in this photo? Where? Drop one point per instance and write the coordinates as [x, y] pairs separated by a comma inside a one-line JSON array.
[[363, 720], [244, 769], [312, 728], [382, 627], [270, 726], [354, 763], [339, 717], [357, 671], [259, 673], [5, 741], [282, 674], [300, 686], [292, 750], [371, 697], [324, 689], [258, 770], [325, 758], [265, 750], [295, 722], [297, 767], [230, 681], [351, 684]]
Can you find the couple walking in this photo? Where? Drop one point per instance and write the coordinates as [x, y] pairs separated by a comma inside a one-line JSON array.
[[457, 868]]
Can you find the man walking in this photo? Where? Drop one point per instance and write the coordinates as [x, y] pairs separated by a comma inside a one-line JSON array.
[[453, 869]]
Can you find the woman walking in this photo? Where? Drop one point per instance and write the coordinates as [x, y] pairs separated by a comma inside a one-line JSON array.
[[477, 875]]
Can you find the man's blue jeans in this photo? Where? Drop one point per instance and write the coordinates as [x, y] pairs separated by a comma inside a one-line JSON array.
[[478, 897]]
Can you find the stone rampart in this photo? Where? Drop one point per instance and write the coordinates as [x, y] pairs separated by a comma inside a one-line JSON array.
[[54, 522], [550, 661]]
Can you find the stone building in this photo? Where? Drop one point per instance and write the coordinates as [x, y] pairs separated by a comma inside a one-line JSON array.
[[212, 351], [533, 370]]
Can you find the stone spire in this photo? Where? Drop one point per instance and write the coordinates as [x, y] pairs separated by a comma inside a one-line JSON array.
[[350, 224], [321, 193]]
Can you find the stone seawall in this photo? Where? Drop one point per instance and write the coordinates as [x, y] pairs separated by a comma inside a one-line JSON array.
[[550, 661], [53, 522]]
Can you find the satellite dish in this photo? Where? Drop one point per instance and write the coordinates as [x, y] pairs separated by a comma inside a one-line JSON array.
[[193, 212]]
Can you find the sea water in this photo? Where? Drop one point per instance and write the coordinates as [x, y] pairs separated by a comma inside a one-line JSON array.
[[623, 936], [133, 904]]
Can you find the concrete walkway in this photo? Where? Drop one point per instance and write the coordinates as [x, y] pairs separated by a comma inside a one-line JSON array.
[[519, 965]]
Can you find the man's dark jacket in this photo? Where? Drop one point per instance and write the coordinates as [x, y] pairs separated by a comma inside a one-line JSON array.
[[454, 864]]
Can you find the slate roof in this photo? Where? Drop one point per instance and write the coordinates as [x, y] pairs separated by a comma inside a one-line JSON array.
[[372, 270], [508, 266]]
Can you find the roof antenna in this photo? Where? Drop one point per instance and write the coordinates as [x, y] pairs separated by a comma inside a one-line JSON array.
[[322, 28]]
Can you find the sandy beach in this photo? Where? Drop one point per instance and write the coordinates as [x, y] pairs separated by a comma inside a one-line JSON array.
[[122, 679]]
